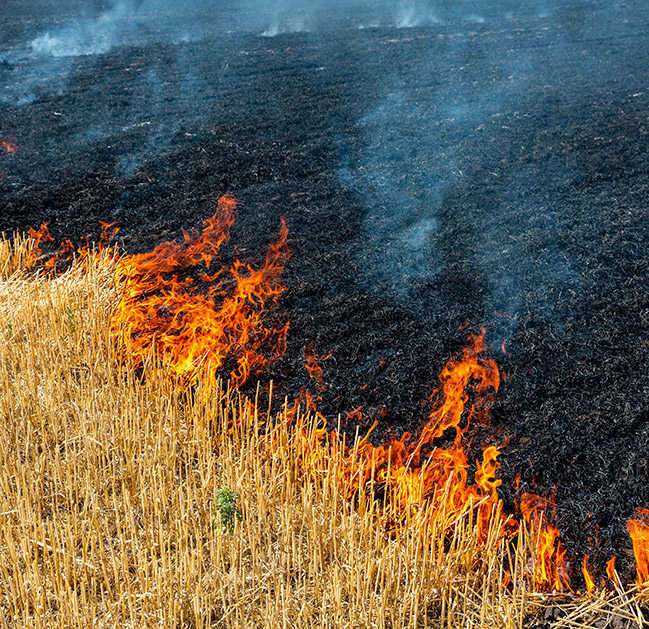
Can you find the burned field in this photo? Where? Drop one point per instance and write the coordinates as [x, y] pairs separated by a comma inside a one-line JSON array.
[[475, 171]]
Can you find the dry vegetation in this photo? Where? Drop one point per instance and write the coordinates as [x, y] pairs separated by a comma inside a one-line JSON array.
[[108, 500]]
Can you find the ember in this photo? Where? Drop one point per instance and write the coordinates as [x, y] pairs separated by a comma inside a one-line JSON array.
[[314, 369], [9, 144]]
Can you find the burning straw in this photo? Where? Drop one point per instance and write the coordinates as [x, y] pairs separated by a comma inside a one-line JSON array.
[[114, 476]]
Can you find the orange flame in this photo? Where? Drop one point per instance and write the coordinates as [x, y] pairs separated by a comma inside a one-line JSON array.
[[197, 328], [314, 369], [411, 473], [588, 577], [34, 256], [639, 531], [108, 234], [548, 570], [611, 572], [53, 261]]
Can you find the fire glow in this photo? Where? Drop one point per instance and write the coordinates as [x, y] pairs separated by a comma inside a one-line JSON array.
[[9, 145], [205, 319]]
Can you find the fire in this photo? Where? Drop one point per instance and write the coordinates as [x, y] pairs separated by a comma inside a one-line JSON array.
[[639, 531], [314, 369], [9, 144], [200, 323], [206, 319], [109, 232], [35, 255], [588, 577], [53, 261], [548, 570], [611, 573], [412, 472]]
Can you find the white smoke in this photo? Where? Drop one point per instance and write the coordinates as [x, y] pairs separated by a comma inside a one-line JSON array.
[[90, 36]]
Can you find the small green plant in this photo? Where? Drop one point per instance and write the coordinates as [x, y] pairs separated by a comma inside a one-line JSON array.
[[10, 328], [226, 508], [69, 320]]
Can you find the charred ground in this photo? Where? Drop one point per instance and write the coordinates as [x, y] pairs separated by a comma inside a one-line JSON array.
[[538, 231]]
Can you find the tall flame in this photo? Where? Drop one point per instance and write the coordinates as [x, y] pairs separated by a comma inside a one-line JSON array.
[[199, 327], [412, 473], [548, 570], [639, 531], [588, 577]]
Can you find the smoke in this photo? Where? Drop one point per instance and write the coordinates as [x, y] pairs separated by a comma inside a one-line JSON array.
[[87, 36], [412, 13], [41, 64], [439, 126], [142, 105], [416, 153], [289, 16], [72, 39], [434, 171]]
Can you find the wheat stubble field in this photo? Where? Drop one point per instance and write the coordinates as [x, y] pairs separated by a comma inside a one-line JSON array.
[[110, 486]]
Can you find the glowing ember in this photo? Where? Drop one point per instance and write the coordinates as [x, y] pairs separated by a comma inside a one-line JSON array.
[[200, 325], [548, 569], [9, 145], [639, 531]]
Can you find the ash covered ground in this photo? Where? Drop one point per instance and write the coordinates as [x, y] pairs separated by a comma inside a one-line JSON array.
[[439, 164]]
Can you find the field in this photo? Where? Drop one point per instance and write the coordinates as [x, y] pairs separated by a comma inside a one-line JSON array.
[[129, 501]]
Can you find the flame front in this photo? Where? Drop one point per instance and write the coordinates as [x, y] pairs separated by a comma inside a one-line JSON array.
[[411, 474], [66, 253], [415, 472], [171, 307], [205, 319]]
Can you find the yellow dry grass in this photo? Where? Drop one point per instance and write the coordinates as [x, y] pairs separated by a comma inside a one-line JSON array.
[[107, 501]]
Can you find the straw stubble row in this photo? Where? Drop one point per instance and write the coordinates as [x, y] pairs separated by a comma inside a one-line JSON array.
[[107, 500]]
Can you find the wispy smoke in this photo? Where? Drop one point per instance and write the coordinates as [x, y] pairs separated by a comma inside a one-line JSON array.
[[439, 125], [42, 64], [437, 145], [417, 152]]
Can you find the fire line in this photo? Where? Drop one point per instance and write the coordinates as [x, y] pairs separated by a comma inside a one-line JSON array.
[[205, 319]]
